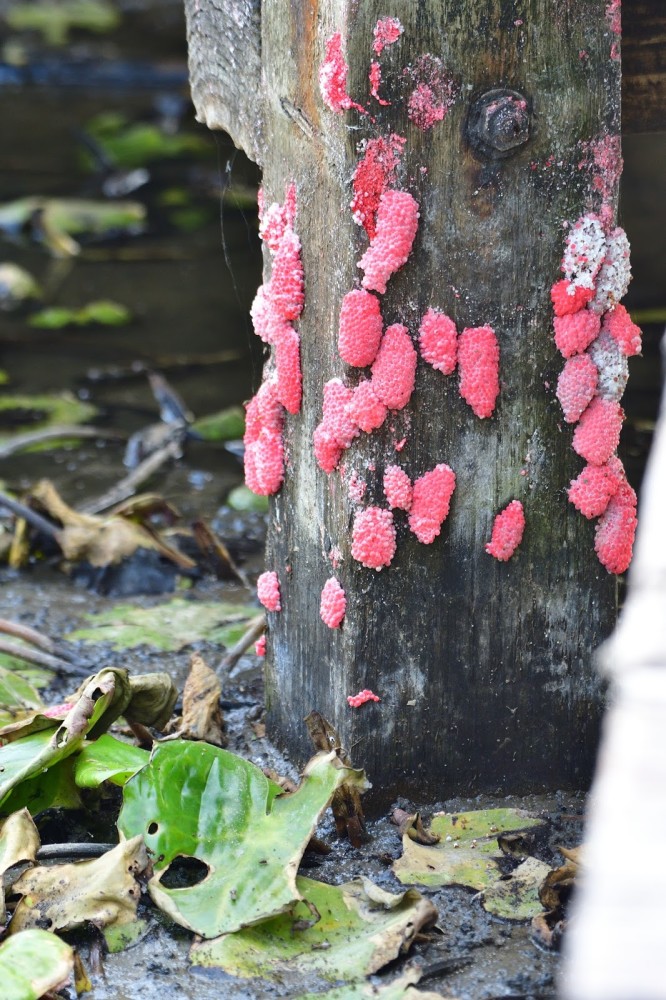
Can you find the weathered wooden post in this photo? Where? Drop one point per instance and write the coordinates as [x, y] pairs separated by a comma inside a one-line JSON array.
[[499, 120]]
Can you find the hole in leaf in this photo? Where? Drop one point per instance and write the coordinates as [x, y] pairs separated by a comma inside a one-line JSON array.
[[153, 828], [183, 873]]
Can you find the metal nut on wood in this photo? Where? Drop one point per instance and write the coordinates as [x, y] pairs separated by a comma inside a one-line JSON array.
[[498, 123]]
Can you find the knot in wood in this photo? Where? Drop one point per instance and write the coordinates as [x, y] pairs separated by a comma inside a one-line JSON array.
[[498, 122]]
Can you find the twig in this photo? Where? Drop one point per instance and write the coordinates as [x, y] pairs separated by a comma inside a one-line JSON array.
[[74, 850], [128, 486], [42, 659], [27, 634], [29, 515], [21, 441], [138, 369], [256, 628]]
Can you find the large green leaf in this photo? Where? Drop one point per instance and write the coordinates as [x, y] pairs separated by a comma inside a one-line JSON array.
[[108, 759], [167, 626], [197, 801], [30, 755], [467, 851], [32, 963], [360, 929]]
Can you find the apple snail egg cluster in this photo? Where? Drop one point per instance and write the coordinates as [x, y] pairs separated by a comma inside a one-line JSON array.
[[596, 335]]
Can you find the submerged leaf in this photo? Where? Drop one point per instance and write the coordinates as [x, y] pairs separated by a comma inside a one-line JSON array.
[[227, 425], [167, 626], [467, 852], [32, 964], [74, 216], [103, 891], [196, 801], [55, 21], [105, 313], [16, 286], [243, 499], [34, 413], [354, 936]]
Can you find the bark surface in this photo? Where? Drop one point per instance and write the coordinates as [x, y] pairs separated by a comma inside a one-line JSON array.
[[484, 669]]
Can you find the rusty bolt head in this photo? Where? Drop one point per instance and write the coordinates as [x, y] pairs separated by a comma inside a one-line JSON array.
[[498, 122]]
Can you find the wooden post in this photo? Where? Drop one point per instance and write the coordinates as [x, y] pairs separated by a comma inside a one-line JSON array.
[[484, 668]]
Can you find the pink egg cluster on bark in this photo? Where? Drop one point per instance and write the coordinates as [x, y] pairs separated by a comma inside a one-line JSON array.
[[507, 533], [360, 328], [397, 488], [616, 530], [277, 304], [576, 386], [438, 341], [396, 225], [394, 368], [597, 434], [364, 696], [333, 604], [478, 365], [431, 500], [596, 334], [592, 489], [264, 446], [374, 174], [365, 409], [373, 538], [268, 591], [387, 31], [260, 646], [333, 78], [337, 429]]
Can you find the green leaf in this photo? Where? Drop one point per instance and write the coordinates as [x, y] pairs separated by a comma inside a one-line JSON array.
[[360, 929], [168, 626], [32, 963], [227, 425], [16, 693], [27, 756], [104, 312], [243, 499], [53, 788], [467, 852], [134, 145], [119, 937], [108, 759], [197, 801]]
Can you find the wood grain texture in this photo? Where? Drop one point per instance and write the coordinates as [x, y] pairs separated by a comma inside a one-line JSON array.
[[484, 669], [644, 66], [224, 45]]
